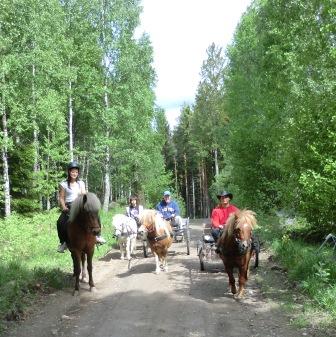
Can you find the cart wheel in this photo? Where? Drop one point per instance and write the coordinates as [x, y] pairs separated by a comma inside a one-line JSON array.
[[145, 248], [256, 259], [201, 257], [188, 246], [202, 265], [256, 250], [187, 240]]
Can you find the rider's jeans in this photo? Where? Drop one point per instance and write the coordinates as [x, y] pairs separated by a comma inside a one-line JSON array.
[[215, 232]]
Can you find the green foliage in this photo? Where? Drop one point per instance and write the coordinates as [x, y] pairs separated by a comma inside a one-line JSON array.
[[77, 59], [310, 269], [315, 273]]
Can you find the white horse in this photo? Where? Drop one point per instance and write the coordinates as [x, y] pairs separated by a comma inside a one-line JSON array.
[[126, 231]]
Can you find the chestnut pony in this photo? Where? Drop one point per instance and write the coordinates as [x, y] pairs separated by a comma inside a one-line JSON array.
[[159, 236], [235, 247], [83, 226]]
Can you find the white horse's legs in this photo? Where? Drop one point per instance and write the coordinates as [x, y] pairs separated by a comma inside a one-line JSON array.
[[122, 247], [133, 244], [128, 248]]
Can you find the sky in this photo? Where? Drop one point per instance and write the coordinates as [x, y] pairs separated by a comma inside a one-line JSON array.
[[180, 32]]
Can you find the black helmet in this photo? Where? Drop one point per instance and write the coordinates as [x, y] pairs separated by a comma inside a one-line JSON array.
[[72, 165], [225, 194]]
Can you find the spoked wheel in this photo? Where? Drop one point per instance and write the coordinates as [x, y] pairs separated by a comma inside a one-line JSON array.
[[256, 251], [256, 259], [145, 248], [187, 239], [201, 258]]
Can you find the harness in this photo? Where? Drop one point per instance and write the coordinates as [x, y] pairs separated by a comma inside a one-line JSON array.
[[158, 238]]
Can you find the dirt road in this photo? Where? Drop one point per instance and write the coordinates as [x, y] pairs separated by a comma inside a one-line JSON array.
[[138, 303]]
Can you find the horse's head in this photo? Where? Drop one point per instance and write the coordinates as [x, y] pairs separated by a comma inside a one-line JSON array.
[[242, 236], [244, 222], [84, 210], [238, 231], [148, 222]]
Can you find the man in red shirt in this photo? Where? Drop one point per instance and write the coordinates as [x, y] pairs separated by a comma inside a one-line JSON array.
[[221, 213]]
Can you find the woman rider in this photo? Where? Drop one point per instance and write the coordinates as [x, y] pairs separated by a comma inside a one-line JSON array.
[[69, 190]]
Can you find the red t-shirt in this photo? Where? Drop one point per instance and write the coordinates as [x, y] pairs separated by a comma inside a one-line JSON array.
[[220, 215]]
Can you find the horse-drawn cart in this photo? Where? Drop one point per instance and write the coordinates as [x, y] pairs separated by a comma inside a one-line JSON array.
[[181, 234], [206, 248]]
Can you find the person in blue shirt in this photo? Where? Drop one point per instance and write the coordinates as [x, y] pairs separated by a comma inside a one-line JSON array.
[[169, 210]]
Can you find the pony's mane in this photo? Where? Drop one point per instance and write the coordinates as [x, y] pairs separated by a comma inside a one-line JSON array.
[[238, 219], [89, 202], [151, 217]]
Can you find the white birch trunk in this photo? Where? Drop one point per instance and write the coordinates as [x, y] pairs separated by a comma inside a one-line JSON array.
[[175, 173], [107, 183], [216, 163], [186, 183], [35, 130], [193, 196], [6, 185], [70, 126]]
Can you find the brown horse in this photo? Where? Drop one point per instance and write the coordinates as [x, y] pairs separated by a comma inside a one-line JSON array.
[[159, 236], [83, 226], [234, 247]]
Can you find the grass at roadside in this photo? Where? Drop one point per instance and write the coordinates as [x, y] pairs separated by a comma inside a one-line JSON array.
[[29, 262], [309, 272]]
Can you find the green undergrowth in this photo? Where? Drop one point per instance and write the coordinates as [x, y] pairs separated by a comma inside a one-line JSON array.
[[29, 262], [310, 271]]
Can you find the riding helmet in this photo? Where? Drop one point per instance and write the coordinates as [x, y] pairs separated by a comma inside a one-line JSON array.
[[225, 194], [73, 165]]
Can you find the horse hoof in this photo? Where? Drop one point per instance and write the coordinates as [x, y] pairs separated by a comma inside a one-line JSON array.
[[84, 280], [75, 293], [233, 290], [122, 258], [93, 289], [157, 271], [239, 295]]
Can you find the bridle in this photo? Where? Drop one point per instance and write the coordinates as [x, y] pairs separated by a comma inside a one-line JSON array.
[[151, 234], [92, 229], [243, 246]]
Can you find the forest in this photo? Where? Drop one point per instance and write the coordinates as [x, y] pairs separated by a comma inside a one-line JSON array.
[[76, 82]]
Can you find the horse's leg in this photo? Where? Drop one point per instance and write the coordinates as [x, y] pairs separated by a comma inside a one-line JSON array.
[[128, 248], [243, 277], [164, 263], [76, 257], [242, 281], [122, 248], [89, 269], [133, 244], [232, 281], [157, 263], [83, 276]]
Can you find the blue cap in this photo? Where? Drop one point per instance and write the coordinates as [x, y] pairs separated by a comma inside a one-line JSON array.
[[166, 193]]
